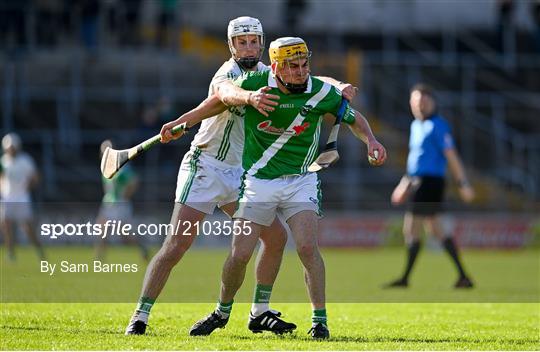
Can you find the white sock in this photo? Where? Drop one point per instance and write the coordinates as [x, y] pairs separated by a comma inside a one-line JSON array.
[[259, 308], [142, 316]]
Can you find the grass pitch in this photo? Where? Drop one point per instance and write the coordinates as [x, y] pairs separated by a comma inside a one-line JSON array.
[[412, 326], [361, 315]]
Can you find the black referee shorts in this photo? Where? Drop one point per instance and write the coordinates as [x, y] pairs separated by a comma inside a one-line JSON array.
[[428, 198]]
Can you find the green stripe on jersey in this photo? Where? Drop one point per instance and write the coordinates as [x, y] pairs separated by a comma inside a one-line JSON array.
[[225, 143]]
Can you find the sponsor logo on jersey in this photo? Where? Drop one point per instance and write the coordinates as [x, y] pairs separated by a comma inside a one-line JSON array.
[[298, 130], [286, 106], [266, 127], [304, 110]]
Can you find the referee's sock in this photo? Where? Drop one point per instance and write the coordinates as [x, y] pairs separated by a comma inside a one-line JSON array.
[[450, 247], [412, 251]]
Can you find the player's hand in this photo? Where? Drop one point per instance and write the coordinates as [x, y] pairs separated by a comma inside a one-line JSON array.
[[466, 192], [348, 91], [376, 153], [262, 101], [166, 132]]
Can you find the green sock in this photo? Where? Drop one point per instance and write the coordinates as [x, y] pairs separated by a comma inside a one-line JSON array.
[[261, 299], [143, 308], [319, 316], [224, 309]]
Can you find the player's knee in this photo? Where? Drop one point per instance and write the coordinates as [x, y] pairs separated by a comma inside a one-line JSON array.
[[274, 245], [240, 256], [170, 255], [307, 250]]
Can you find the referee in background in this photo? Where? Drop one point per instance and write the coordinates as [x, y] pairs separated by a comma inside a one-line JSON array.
[[431, 148]]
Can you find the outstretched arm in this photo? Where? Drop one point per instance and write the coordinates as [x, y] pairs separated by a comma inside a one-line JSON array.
[[232, 95], [348, 90], [211, 106]]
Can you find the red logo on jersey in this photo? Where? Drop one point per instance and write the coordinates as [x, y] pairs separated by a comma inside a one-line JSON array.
[[266, 126], [300, 128]]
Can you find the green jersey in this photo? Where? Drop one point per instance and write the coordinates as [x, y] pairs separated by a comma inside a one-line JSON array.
[[115, 187], [287, 141]]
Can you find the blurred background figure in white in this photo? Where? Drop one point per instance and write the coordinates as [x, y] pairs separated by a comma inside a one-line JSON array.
[[18, 175]]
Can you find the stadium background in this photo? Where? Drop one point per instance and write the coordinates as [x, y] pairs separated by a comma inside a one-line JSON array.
[[75, 73]]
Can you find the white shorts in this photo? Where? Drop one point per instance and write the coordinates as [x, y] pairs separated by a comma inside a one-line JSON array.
[[261, 199], [16, 211], [204, 182]]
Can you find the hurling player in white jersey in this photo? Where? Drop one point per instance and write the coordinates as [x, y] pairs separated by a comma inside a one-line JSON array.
[[18, 175], [209, 176]]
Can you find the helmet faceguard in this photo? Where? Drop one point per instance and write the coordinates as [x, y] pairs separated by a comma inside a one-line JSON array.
[[290, 59], [239, 30]]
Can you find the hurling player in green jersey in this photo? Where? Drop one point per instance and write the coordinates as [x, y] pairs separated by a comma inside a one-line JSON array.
[[116, 205], [284, 111]]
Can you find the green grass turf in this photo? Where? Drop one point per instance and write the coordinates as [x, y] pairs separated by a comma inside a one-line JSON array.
[[353, 276], [411, 326]]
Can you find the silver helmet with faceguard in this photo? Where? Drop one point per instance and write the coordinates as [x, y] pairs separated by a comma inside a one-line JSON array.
[[245, 26]]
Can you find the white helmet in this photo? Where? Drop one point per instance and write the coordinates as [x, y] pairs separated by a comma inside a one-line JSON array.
[[245, 25], [11, 140]]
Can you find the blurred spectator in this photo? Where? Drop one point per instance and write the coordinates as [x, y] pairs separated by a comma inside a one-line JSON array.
[[431, 148], [293, 9], [166, 21], [89, 24], [535, 11], [13, 24], [18, 174], [505, 29]]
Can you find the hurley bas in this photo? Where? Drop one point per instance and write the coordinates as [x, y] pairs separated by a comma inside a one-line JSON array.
[[96, 267]]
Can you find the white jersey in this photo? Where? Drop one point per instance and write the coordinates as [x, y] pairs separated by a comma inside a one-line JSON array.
[[222, 136], [16, 175]]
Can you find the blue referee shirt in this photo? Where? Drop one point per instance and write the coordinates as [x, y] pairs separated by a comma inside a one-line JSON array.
[[427, 143]]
